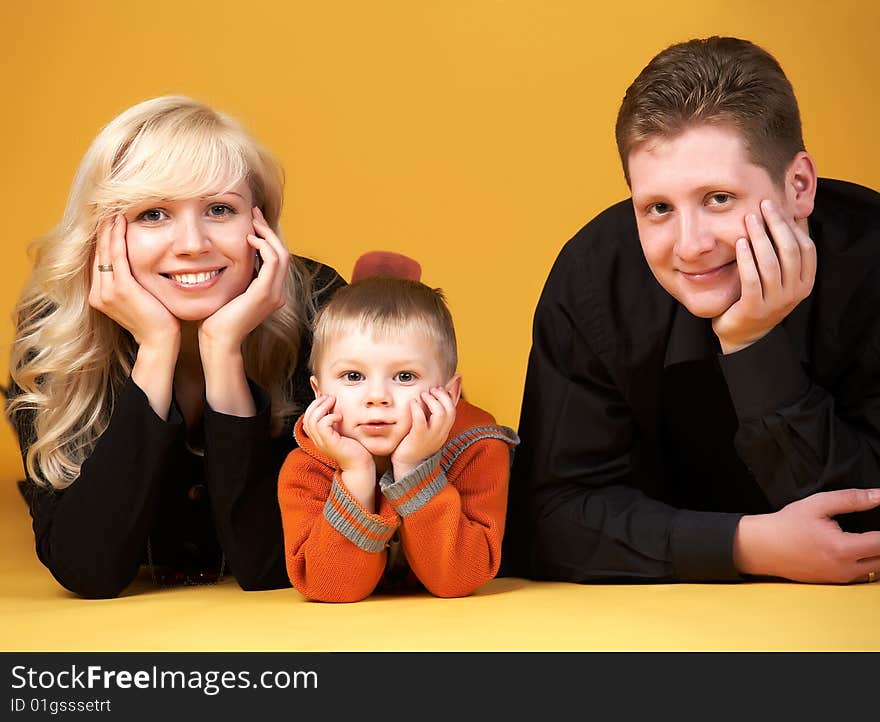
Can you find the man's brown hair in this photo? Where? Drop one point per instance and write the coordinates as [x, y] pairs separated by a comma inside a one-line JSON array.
[[716, 80]]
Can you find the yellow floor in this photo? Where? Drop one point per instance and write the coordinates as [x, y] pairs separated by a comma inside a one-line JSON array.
[[506, 614]]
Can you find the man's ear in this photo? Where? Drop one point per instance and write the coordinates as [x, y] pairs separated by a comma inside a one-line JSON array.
[[314, 383], [453, 388], [800, 185]]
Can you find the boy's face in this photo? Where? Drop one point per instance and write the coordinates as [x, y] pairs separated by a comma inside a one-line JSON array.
[[374, 380], [691, 194]]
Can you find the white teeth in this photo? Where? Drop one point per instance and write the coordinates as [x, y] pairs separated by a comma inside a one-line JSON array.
[[188, 279]]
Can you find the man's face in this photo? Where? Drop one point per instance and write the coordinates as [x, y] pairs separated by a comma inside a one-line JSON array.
[[691, 194]]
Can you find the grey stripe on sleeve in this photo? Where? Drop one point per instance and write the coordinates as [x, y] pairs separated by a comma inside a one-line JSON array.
[[396, 489], [371, 537]]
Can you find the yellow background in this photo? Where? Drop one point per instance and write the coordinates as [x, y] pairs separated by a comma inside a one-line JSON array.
[[475, 136]]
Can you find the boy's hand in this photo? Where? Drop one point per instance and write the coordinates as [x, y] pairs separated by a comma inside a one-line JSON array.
[[428, 432], [319, 423], [775, 280], [356, 466]]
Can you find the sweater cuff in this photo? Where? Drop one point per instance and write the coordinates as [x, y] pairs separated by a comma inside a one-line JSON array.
[[765, 376], [417, 488], [366, 531], [702, 546]]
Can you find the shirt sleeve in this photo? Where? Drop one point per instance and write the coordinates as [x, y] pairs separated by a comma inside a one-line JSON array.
[[241, 472], [799, 437], [451, 528], [92, 535], [242, 461], [580, 508], [335, 549]]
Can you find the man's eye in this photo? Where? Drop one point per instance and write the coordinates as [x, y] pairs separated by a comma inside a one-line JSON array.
[[354, 376], [405, 377], [659, 209], [151, 215], [218, 210], [719, 199]]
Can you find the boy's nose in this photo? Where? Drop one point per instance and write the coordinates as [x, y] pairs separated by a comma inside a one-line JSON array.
[[377, 395]]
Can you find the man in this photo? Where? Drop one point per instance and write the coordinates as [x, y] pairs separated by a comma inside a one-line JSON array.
[[702, 400]]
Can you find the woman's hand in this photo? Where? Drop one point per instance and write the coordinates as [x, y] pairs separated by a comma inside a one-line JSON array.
[[227, 328], [224, 331], [118, 295]]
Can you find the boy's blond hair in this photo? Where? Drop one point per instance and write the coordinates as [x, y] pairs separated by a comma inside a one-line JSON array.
[[386, 306]]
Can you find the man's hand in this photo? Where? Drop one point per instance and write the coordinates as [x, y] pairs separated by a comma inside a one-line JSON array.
[[428, 432], [775, 276], [804, 543], [356, 465]]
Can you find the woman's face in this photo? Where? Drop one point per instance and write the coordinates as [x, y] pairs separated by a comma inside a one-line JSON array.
[[193, 254]]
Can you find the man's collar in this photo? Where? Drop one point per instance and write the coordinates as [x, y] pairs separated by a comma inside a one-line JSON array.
[[692, 338]]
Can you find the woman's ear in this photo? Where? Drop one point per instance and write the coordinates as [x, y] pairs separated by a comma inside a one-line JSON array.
[[313, 381], [800, 185], [453, 388]]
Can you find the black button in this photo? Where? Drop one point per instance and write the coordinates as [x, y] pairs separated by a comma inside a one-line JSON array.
[[197, 492]]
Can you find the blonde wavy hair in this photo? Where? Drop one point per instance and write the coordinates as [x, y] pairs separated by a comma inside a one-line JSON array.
[[70, 361]]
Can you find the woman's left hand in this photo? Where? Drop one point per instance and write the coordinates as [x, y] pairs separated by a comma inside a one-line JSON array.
[[227, 328], [223, 332]]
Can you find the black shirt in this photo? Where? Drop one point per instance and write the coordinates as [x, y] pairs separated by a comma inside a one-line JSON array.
[[642, 446], [143, 488]]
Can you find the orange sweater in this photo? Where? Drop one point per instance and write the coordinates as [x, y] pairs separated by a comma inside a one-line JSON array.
[[449, 512]]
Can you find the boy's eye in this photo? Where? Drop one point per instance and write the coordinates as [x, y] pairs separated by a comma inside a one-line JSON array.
[[151, 215], [405, 377], [218, 210], [353, 376]]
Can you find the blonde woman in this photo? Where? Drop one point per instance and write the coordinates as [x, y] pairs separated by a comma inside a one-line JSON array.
[[160, 358]]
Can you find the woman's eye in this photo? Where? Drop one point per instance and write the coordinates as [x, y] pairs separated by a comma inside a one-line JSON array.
[[405, 377], [719, 199], [353, 376], [218, 210], [151, 215]]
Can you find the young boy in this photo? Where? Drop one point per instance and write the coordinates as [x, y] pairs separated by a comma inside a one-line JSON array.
[[395, 474]]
